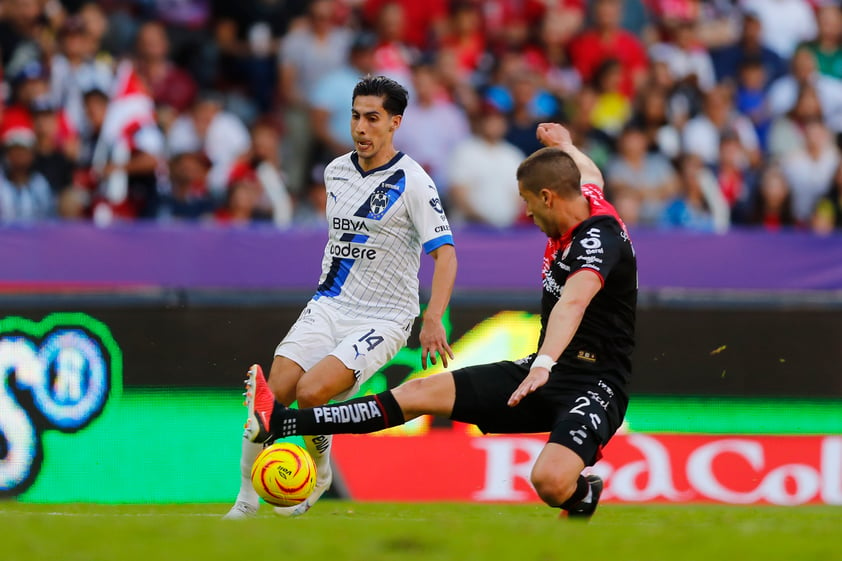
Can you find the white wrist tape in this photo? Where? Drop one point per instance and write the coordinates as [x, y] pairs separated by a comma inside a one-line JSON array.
[[543, 361]]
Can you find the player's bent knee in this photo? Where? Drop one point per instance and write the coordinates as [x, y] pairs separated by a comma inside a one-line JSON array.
[[311, 393], [553, 490]]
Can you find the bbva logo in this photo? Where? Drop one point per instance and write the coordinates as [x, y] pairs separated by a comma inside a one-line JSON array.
[[55, 374]]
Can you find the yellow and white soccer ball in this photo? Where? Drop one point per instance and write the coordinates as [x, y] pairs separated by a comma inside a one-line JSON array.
[[284, 474]]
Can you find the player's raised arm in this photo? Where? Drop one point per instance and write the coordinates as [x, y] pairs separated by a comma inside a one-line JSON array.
[[433, 336], [555, 135]]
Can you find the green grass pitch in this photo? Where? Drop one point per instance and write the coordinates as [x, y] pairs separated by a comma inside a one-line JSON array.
[[348, 531]]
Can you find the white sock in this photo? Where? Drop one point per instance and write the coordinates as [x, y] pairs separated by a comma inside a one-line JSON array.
[[319, 448], [249, 453]]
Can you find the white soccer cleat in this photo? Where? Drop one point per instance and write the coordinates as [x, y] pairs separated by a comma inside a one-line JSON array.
[[240, 511], [322, 485]]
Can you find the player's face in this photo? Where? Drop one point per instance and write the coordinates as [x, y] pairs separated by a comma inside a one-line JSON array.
[[372, 129], [539, 211]]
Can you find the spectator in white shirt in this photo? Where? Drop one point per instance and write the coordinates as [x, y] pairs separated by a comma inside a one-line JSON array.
[[25, 195], [810, 169], [221, 135], [783, 92], [422, 134], [702, 134], [482, 176], [786, 23]]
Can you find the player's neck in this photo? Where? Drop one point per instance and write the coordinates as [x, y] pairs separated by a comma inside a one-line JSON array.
[[574, 213], [381, 158]]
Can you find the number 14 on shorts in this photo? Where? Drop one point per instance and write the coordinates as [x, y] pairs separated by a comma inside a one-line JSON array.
[[370, 339]]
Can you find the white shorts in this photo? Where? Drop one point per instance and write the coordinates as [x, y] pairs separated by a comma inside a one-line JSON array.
[[363, 346]]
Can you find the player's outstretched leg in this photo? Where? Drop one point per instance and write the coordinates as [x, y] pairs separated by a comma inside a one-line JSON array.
[[319, 449], [360, 415], [585, 508], [247, 501]]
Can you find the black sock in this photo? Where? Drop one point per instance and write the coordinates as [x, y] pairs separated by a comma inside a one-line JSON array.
[[356, 416], [582, 488]]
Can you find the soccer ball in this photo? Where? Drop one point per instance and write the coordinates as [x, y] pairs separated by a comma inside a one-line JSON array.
[[284, 474]]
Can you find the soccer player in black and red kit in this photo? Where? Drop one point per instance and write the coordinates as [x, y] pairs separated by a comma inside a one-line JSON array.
[[574, 387]]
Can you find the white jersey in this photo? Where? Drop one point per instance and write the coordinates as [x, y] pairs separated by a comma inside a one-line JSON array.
[[378, 223]]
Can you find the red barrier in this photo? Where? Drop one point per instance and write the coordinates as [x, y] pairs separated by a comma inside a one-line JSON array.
[[455, 465]]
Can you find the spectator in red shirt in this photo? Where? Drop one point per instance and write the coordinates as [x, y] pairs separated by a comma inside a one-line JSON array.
[[392, 56], [424, 21], [465, 37], [607, 40], [169, 85], [509, 21]]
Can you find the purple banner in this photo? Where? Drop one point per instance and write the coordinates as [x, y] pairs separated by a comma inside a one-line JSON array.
[[185, 256]]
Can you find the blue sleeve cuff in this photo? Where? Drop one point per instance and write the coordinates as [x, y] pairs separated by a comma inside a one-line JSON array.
[[436, 243]]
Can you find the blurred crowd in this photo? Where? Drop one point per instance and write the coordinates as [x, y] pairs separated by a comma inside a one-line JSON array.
[[703, 115]]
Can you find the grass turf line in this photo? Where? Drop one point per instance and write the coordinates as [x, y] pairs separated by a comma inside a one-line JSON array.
[[351, 531]]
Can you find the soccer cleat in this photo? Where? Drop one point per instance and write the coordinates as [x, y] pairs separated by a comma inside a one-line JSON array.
[[584, 510], [259, 402], [322, 485], [240, 511]]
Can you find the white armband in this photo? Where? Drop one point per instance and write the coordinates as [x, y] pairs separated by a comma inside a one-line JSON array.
[[543, 361]]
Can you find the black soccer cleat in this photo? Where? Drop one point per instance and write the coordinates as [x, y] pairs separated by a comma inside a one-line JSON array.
[[584, 510]]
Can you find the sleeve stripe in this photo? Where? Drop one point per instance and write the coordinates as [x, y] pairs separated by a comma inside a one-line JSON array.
[[436, 243]]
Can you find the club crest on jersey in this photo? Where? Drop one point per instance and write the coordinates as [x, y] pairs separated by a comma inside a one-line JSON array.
[[378, 203], [436, 204]]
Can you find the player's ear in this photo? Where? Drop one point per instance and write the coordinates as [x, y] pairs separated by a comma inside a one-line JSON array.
[[396, 122], [547, 197]]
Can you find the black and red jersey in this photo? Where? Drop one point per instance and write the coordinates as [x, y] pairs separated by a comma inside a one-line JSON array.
[[605, 338]]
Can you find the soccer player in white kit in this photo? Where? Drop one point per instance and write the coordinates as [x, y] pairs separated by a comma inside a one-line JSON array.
[[382, 210]]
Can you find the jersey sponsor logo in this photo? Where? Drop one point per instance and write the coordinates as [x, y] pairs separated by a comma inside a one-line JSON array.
[[337, 178], [442, 228], [552, 286], [346, 250], [588, 259], [436, 204], [349, 225], [606, 387], [598, 399], [592, 243], [586, 356]]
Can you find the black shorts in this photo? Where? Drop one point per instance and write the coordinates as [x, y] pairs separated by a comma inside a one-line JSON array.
[[581, 410]]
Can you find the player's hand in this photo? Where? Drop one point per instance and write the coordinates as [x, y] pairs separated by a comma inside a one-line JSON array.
[[553, 134], [536, 378], [433, 339]]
